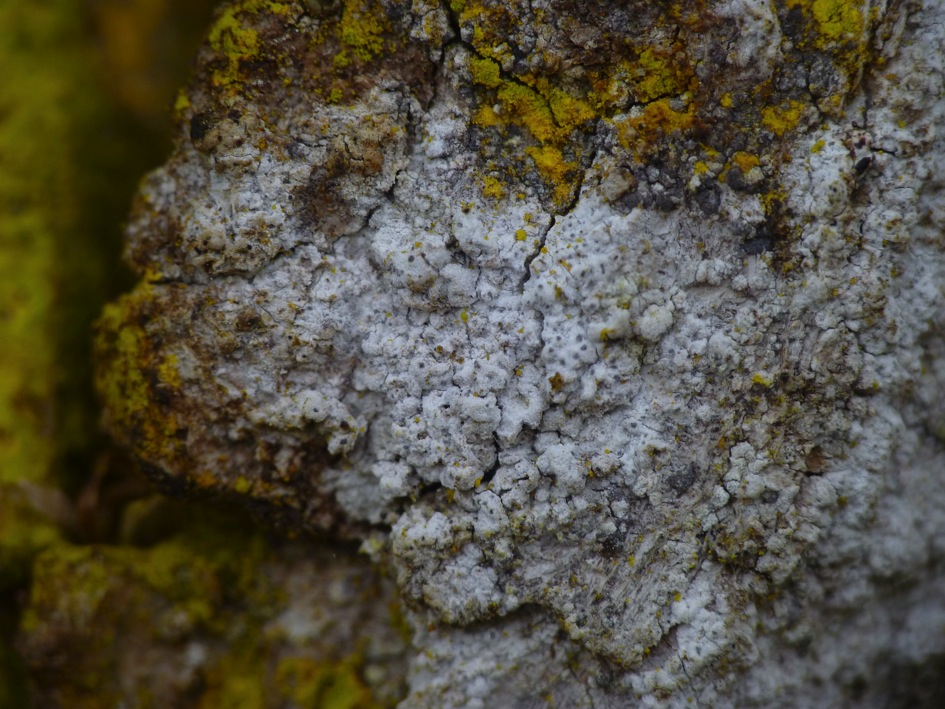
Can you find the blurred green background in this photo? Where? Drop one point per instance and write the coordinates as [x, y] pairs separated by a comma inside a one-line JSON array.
[[86, 88]]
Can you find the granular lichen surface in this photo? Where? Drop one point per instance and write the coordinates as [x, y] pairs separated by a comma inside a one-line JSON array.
[[613, 327]]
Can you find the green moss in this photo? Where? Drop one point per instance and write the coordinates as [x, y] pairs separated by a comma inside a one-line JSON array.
[[309, 683], [14, 692], [59, 137], [24, 532], [36, 206], [112, 596], [96, 606], [238, 681], [362, 28], [661, 76]]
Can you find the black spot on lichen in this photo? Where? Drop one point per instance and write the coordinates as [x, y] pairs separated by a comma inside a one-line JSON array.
[[769, 497], [680, 482], [757, 246], [612, 546], [200, 123]]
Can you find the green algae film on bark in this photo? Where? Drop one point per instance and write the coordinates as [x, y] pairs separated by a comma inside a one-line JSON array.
[[265, 627], [65, 175], [44, 70]]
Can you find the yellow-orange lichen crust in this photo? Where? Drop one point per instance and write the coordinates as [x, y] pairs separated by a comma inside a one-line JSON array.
[[663, 80]]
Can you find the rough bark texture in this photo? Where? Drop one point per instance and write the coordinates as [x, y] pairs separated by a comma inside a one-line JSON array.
[[614, 329]]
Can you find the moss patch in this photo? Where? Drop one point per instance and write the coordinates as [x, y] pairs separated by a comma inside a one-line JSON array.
[[105, 611], [362, 29]]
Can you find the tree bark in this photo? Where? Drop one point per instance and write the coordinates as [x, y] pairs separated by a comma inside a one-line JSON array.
[[613, 330]]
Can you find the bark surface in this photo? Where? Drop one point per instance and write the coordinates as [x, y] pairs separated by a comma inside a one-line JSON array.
[[615, 330]]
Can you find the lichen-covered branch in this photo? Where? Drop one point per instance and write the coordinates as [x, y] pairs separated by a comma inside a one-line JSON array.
[[612, 328]]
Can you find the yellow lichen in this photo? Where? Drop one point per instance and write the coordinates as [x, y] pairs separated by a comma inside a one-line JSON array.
[[309, 683], [762, 379], [129, 373], [487, 117], [492, 187], [489, 24], [230, 38], [341, 60], [181, 103], [745, 161], [548, 113], [526, 107], [569, 112], [781, 119], [657, 119], [553, 112], [485, 72], [235, 42], [838, 27], [661, 76], [838, 21], [555, 169]]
